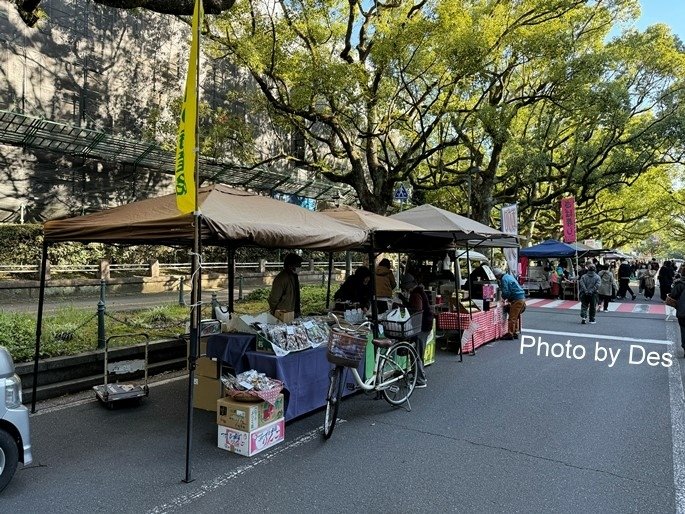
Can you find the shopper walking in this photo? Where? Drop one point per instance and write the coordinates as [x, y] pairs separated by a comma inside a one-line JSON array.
[[514, 294], [678, 289], [607, 288], [589, 285], [624, 272], [649, 283], [666, 275]]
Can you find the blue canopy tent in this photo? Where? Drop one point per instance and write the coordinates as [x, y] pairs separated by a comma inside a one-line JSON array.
[[552, 248]]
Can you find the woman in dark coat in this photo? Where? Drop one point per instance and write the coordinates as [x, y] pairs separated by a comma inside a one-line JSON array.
[[678, 290], [356, 288], [666, 274]]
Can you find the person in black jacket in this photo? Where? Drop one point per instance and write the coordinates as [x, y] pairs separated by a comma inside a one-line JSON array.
[[677, 290], [666, 275], [624, 272], [356, 288]]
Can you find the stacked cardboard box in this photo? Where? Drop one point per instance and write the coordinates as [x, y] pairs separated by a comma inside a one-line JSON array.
[[207, 387], [248, 428]]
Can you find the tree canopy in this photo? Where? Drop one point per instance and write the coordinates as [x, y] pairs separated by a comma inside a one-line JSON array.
[[472, 103], [521, 101]]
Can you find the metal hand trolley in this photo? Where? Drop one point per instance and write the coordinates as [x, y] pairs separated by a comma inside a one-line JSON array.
[[111, 393]]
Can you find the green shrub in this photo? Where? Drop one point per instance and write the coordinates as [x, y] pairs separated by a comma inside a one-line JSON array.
[[258, 295], [18, 334]]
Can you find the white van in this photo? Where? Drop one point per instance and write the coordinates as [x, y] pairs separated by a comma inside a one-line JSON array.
[[15, 442]]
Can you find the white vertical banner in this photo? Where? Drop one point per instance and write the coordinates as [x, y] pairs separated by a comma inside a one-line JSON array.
[[510, 225]]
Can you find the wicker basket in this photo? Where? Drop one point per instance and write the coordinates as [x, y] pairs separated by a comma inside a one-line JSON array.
[[345, 349], [250, 396], [403, 329]]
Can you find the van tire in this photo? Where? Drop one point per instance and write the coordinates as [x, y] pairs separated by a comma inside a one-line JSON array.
[[9, 456]]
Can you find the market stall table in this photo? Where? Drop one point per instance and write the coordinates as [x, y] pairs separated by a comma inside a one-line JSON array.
[[492, 325], [230, 349], [304, 374]]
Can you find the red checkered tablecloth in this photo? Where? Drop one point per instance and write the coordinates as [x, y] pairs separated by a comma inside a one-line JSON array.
[[488, 326]]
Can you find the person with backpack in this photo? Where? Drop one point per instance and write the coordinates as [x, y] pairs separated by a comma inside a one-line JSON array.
[[589, 285], [607, 287], [649, 283]]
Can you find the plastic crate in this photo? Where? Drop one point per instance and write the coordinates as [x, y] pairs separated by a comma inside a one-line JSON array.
[[403, 329]]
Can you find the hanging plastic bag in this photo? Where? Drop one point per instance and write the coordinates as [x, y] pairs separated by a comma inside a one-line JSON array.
[[398, 314]]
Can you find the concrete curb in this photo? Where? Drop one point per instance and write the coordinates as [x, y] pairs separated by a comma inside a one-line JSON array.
[[58, 376]]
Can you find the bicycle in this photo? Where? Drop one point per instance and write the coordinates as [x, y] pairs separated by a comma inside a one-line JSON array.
[[394, 375]]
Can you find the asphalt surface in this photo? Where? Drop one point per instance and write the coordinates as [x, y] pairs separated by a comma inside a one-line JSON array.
[[504, 431]]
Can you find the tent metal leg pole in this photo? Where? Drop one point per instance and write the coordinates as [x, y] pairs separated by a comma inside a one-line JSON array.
[[39, 323], [195, 316], [374, 304], [468, 267], [457, 289], [231, 278], [330, 275]]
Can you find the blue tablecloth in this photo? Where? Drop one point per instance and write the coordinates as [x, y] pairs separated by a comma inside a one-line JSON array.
[[304, 374], [230, 348]]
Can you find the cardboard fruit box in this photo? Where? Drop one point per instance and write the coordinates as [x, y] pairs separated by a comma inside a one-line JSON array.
[[251, 443], [247, 416]]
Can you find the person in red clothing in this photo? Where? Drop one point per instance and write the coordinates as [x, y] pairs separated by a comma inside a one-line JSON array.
[[418, 302]]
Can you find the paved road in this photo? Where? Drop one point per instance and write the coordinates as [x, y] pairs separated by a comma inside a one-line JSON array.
[[507, 430]]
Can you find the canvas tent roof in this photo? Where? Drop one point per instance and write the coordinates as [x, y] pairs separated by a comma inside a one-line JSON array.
[[553, 248], [389, 233], [466, 230], [228, 216]]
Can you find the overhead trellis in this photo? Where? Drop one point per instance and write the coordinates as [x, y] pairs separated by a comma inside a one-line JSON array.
[[18, 129]]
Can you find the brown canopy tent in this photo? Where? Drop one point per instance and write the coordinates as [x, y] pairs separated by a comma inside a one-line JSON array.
[[227, 217], [464, 230]]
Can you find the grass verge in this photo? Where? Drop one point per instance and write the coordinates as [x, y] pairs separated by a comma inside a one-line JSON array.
[[72, 331]]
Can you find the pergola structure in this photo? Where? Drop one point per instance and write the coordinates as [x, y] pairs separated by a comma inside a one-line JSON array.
[[25, 131]]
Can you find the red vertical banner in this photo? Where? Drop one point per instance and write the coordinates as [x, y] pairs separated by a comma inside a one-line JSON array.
[[568, 219]]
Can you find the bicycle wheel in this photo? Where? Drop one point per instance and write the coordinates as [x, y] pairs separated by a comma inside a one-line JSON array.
[[399, 366], [333, 400]]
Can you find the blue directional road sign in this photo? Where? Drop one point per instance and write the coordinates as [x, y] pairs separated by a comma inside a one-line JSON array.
[[401, 193]]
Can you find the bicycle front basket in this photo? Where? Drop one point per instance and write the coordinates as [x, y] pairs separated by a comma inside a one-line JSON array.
[[345, 349]]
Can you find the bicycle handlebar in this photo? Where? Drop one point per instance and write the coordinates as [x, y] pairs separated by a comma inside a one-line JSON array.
[[366, 324]]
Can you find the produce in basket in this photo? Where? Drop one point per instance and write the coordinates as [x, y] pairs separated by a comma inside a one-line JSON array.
[[252, 385]]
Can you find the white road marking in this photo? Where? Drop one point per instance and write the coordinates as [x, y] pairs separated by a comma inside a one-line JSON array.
[[222, 480], [533, 301], [596, 336], [552, 305], [675, 388]]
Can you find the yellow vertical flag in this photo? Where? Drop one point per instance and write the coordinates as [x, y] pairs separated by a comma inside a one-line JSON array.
[[187, 127]]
